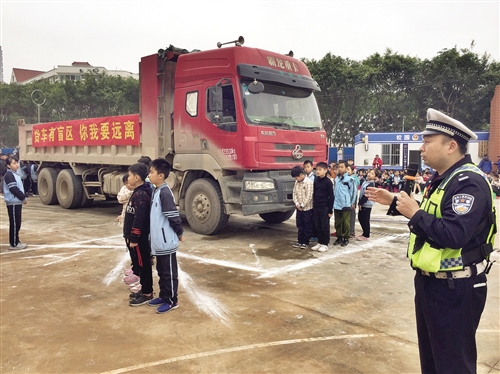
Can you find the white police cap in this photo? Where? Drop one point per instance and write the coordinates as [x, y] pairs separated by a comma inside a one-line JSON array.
[[439, 123]]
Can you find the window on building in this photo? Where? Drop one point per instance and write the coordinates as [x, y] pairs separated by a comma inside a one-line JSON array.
[[391, 154]]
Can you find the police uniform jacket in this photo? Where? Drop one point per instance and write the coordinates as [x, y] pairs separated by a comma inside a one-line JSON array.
[[466, 229]]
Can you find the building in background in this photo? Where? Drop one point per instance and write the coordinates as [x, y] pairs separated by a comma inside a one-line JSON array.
[[398, 149], [75, 71]]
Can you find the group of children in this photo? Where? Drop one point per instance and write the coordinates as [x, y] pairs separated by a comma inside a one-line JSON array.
[[325, 193], [151, 227]]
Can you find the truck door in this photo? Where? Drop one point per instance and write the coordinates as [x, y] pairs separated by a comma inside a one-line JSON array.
[[221, 133]]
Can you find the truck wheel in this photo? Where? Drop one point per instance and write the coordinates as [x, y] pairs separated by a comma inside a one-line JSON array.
[[47, 186], [69, 189], [204, 207], [276, 217], [86, 202]]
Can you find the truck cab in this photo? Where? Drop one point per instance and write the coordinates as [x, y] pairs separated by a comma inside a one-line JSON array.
[[232, 122]]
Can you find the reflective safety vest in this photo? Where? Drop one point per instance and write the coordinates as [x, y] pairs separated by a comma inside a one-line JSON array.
[[428, 255]]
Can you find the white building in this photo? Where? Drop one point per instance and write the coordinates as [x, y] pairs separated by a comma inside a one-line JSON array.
[[75, 71], [397, 150]]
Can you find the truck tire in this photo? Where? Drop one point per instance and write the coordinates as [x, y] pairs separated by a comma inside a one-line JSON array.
[[276, 217], [86, 202], [47, 186], [204, 207], [69, 189]]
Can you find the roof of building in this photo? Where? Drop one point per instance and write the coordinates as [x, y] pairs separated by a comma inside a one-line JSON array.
[[22, 75], [79, 63]]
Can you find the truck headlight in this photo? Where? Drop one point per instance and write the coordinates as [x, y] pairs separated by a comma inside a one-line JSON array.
[[258, 186]]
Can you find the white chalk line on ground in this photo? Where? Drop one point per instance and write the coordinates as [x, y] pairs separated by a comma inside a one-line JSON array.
[[115, 273], [204, 301], [239, 349], [59, 257]]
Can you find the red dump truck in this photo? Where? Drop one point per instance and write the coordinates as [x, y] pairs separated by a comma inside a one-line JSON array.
[[231, 121]]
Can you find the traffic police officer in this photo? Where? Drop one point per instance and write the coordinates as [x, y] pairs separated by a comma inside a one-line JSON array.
[[451, 236]]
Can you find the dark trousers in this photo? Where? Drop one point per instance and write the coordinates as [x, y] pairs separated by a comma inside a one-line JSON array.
[[166, 265], [14, 223], [322, 224], [364, 220], [304, 221], [343, 223], [141, 264], [447, 319]]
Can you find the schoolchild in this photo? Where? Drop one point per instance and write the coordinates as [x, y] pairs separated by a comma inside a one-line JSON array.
[[34, 178], [123, 197], [354, 176], [14, 197], [345, 197], [303, 199], [322, 203], [166, 233], [309, 170], [365, 206], [136, 229]]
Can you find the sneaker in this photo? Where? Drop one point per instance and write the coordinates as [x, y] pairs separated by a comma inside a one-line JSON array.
[[333, 233], [353, 235], [141, 300], [323, 248], [156, 302], [316, 247], [135, 295], [296, 245], [344, 242], [128, 272], [313, 239], [130, 279], [18, 246], [304, 246], [166, 307], [361, 237], [338, 241], [136, 288]]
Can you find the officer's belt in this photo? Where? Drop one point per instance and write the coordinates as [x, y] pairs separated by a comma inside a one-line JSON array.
[[467, 272]]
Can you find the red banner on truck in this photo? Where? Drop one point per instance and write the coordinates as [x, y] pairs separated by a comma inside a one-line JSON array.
[[116, 130]]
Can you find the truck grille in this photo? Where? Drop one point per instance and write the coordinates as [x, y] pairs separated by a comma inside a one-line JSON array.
[[286, 147], [290, 159]]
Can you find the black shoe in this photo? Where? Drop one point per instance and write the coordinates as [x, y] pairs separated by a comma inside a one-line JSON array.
[[141, 300], [344, 242], [338, 241], [135, 295]]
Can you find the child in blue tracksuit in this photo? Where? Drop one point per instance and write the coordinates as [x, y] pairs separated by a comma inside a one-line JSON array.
[[14, 197], [166, 232], [345, 198]]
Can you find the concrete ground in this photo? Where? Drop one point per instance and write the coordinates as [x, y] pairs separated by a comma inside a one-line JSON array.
[[249, 302]]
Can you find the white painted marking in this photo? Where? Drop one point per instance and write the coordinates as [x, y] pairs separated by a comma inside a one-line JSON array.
[[332, 253], [257, 259], [239, 349], [115, 273], [204, 301], [58, 256], [223, 263]]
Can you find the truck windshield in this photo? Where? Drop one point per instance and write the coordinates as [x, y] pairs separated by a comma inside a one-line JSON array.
[[281, 106]]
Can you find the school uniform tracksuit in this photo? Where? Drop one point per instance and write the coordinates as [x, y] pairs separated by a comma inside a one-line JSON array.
[[136, 229], [13, 193], [166, 229], [345, 197]]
